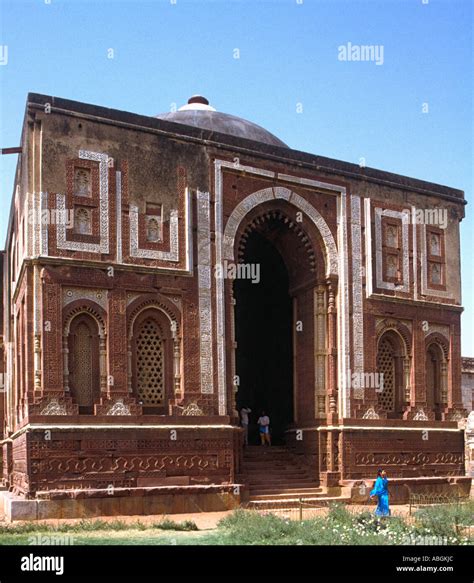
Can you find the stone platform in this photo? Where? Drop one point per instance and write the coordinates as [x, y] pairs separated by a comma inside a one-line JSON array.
[[123, 502]]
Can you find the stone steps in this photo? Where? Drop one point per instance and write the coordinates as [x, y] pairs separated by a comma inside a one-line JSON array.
[[275, 475]]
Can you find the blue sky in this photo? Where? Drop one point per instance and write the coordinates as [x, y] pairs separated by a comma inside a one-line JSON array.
[[163, 52]]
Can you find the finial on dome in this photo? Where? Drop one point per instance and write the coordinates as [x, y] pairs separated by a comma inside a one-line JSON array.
[[197, 103], [198, 99]]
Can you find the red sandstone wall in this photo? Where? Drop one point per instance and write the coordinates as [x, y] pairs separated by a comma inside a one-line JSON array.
[[122, 458], [402, 453]]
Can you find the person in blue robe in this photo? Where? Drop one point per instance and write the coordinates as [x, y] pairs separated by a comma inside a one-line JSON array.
[[381, 491]]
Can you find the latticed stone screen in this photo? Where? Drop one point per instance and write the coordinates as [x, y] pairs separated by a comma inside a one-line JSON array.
[[150, 364], [386, 366], [83, 366]]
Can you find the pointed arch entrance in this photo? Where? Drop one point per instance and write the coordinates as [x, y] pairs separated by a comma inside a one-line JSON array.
[[263, 333], [280, 322]]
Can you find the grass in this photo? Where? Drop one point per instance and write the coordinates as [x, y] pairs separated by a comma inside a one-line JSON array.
[[440, 525], [446, 519], [147, 537], [99, 532], [437, 526], [96, 525]]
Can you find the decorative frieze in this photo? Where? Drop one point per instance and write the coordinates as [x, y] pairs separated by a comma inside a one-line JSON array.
[[420, 415], [192, 409], [72, 294], [370, 414], [54, 408], [118, 408], [441, 329]]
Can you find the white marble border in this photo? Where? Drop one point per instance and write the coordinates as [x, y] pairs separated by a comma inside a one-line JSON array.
[[173, 254], [415, 256], [274, 193], [44, 250], [103, 246], [368, 248], [220, 299], [357, 295], [118, 210], [135, 251], [204, 270], [343, 322]]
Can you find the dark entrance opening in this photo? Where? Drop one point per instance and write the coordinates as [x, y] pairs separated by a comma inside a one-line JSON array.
[[263, 331]]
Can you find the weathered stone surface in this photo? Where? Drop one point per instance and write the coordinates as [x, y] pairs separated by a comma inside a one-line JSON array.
[[120, 357]]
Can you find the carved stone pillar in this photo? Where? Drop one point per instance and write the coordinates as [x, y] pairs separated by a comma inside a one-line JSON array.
[[320, 351], [332, 416], [454, 394], [129, 369], [37, 363], [103, 365], [66, 365], [37, 332], [469, 448], [177, 367], [116, 344], [406, 380], [444, 382], [332, 475], [52, 368]]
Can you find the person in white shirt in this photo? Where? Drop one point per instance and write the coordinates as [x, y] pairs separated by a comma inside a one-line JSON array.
[[264, 428], [244, 421]]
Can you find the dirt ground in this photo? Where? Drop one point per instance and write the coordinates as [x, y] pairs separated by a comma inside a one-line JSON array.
[[209, 520]]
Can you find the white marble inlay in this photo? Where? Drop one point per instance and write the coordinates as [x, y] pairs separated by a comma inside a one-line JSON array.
[[357, 296], [204, 283]]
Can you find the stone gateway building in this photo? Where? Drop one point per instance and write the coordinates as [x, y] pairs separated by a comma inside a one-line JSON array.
[[162, 272]]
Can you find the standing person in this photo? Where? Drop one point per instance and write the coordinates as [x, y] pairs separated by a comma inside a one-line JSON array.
[[381, 491], [264, 428], [244, 421]]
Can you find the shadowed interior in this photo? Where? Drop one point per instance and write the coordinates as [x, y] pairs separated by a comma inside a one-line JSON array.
[[263, 317]]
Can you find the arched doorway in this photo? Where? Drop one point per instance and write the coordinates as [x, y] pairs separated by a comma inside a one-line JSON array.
[[84, 362], [274, 318], [391, 357], [264, 356], [152, 361], [435, 371]]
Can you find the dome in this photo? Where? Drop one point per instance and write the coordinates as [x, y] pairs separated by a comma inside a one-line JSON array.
[[198, 113]]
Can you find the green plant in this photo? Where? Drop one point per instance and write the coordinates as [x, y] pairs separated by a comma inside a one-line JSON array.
[[446, 519], [168, 524]]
